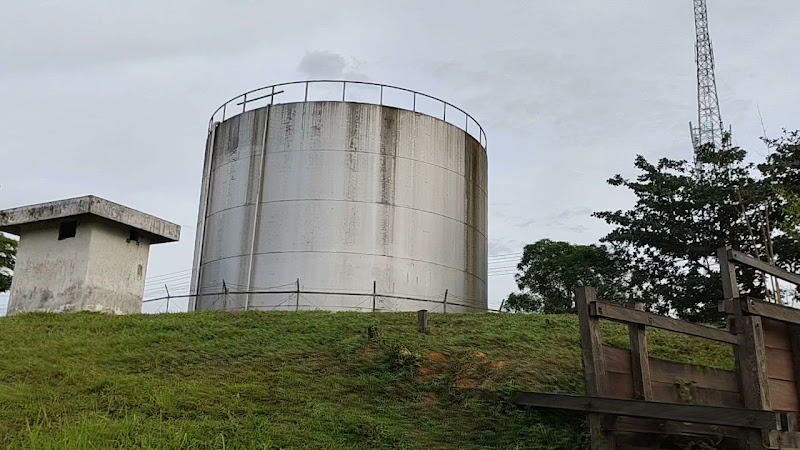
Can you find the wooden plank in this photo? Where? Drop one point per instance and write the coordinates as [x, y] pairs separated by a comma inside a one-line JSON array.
[[689, 385], [780, 364], [712, 415], [771, 310], [691, 394], [640, 425], [776, 334], [621, 385], [704, 377], [640, 364], [783, 395], [626, 315], [594, 366], [591, 343], [730, 287], [752, 363], [757, 264], [618, 360], [787, 440], [794, 340]]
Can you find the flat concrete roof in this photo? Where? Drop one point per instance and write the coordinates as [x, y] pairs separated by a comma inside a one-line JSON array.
[[157, 230]]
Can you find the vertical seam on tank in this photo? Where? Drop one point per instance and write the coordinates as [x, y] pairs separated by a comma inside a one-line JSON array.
[[204, 214], [256, 214]]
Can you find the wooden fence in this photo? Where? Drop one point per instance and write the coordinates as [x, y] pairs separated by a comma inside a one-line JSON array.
[[634, 400]]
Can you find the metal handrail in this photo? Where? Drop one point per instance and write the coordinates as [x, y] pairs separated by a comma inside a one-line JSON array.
[[231, 107]]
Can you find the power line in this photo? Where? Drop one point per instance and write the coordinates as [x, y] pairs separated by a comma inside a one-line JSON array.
[[163, 275], [168, 280], [505, 254]]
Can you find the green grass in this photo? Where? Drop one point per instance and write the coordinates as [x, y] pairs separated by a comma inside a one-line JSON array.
[[295, 380]]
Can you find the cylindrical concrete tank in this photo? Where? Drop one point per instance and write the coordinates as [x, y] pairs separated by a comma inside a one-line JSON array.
[[342, 205]]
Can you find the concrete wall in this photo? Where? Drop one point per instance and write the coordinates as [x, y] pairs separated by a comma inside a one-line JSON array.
[[50, 275], [345, 194], [116, 271], [97, 270]]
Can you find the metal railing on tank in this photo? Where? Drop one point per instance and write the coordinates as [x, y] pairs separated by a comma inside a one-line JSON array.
[[303, 91]]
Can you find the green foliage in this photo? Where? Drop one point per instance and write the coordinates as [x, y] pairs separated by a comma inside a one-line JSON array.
[[267, 380], [782, 173], [683, 214], [550, 271], [8, 255]]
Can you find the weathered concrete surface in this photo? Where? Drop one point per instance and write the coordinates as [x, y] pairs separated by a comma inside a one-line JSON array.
[[99, 269], [345, 194], [158, 230]]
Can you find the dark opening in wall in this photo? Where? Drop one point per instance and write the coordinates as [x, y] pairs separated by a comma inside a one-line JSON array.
[[134, 236], [67, 229]]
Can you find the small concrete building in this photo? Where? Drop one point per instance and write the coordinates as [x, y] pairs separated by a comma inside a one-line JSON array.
[[82, 254]]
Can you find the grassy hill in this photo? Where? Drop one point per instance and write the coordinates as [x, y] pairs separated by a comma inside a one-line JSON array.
[[260, 380]]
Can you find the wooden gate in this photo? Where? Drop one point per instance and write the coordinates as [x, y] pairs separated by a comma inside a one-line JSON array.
[[632, 399]]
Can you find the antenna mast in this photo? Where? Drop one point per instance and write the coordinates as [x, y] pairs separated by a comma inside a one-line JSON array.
[[709, 128]]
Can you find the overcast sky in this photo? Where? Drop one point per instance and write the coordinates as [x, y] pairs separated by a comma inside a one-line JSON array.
[[112, 98]]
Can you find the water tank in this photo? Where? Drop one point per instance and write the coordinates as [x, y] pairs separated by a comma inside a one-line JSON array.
[[366, 203]]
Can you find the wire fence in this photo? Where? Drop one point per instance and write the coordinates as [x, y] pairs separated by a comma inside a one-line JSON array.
[[342, 90], [298, 298]]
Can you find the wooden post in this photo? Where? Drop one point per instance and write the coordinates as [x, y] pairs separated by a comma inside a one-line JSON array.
[[422, 321], [730, 287], [751, 366], [593, 364], [750, 352], [640, 364], [444, 308], [374, 294], [752, 363]]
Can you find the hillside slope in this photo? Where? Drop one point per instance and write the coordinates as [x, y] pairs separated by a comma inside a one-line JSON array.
[[260, 380]]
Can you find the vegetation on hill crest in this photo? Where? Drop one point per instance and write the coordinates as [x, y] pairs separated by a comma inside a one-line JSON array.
[[259, 380]]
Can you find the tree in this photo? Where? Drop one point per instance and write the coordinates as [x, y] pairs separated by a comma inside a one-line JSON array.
[[683, 213], [550, 271], [782, 173], [8, 254]]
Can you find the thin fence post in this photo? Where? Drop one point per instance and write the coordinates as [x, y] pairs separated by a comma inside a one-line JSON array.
[[297, 302], [374, 294], [225, 295], [167, 289], [444, 305]]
